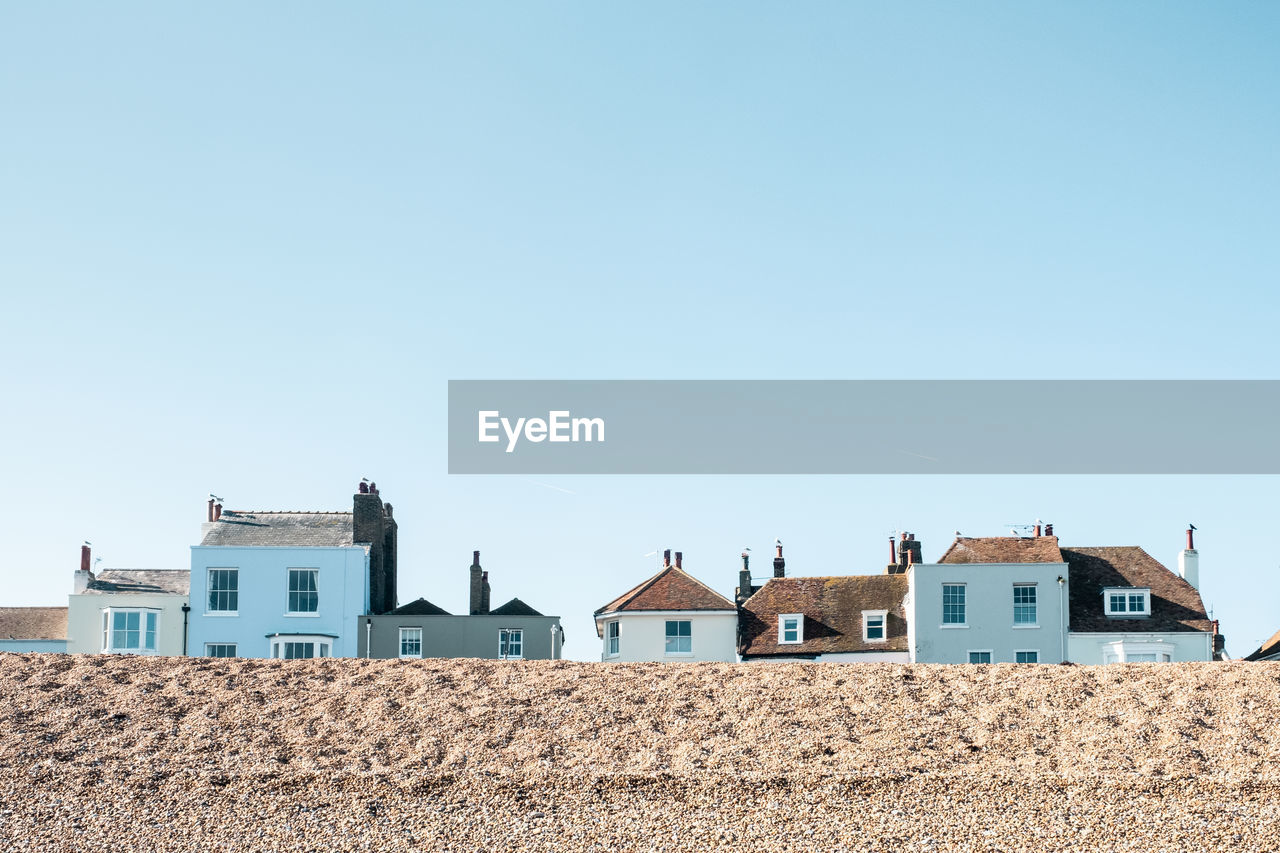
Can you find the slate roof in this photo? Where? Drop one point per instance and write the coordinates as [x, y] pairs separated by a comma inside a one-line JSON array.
[[1175, 604], [514, 607], [33, 623], [669, 589], [420, 607], [1267, 649], [1003, 549], [141, 582], [281, 529], [832, 608]]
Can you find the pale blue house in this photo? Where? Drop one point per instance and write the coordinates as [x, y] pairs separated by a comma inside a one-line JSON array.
[[291, 584]]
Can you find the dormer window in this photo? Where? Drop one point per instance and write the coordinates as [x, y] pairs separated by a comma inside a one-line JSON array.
[[1127, 602], [790, 628]]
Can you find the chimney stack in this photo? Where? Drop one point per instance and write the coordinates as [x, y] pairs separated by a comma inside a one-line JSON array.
[[217, 511], [1189, 560], [679, 559], [210, 517], [666, 558], [484, 594], [83, 575], [1048, 530], [1037, 530], [779, 564], [477, 585], [744, 579], [908, 552]]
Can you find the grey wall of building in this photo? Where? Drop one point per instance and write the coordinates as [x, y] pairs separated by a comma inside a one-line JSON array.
[[458, 636]]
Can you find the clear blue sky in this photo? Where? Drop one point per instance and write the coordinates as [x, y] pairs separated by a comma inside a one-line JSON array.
[[243, 248]]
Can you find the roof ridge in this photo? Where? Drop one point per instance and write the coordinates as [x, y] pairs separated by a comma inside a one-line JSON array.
[[701, 584]]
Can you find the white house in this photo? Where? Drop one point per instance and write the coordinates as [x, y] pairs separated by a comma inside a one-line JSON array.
[[128, 611], [672, 616]]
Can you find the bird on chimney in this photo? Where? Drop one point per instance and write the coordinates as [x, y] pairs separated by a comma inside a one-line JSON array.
[[1192, 526]]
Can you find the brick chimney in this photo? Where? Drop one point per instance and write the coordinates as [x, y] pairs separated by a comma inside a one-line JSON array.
[[680, 560], [84, 574], [477, 585], [779, 564], [909, 551], [666, 558], [1189, 560], [372, 525], [484, 593], [745, 590]]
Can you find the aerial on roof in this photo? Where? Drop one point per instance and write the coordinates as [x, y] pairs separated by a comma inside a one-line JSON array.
[[141, 582], [670, 589], [832, 609], [33, 623], [1003, 549], [514, 607], [280, 529], [419, 607], [1175, 604], [1268, 649]]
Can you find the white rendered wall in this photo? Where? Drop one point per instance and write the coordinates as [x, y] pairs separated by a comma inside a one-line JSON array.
[[84, 619], [1184, 645], [643, 636]]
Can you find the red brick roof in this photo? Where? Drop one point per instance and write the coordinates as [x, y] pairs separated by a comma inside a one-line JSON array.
[[1175, 604], [1003, 549], [669, 589], [832, 608], [1267, 649]]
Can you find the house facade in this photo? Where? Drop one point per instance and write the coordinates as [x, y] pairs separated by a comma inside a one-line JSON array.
[[33, 629], [127, 611], [291, 584], [834, 619], [672, 616], [420, 629]]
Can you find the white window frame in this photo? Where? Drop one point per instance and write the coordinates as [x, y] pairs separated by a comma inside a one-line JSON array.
[[234, 649], [782, 628], [108, 630], [990, 653], [289, 593], [883, 616], [1120, 651], [964, 623], [666, 638], [506, 634], [1035, 652], [1127, 592], [208, 592], [323, 645], [612, 638], [402, 637], [1034, 605]]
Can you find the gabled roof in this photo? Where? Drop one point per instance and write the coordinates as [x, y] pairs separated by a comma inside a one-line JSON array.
[[281, 529], [669, 589], [33, 623], [514, 607], [1175, 604], [832, 608], [141, 582], [420, 607], [1003, 549], [1267, 649]]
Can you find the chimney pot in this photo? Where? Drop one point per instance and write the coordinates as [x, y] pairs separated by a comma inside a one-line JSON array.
[[1048, 530], [1191, 540], [666, 558], [475, 558], [210, 517], [679, 559], [1037, 531], [84, 558], [217, 511], [893, 551]]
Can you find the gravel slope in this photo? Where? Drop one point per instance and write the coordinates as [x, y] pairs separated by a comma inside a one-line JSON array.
[[100, 752]]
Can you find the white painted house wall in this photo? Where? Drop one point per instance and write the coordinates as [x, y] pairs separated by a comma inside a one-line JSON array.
[[643, 635], [84, 619], [1092, 649]]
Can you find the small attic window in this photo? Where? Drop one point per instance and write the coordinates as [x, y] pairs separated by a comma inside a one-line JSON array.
[[790, 629], [1128, 602]]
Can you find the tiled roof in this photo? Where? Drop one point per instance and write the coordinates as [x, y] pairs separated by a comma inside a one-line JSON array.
[[1003, 549], [1175, 604], [141, 582], [832, 608], [420, 607], [282, 529], [1267, 649], [514, 607], [669, 589], [33, 623]]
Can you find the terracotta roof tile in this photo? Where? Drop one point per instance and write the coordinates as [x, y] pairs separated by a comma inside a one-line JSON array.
[[1003, 549], [832, 608], [669, 589], [33, 623], [1175, 604]]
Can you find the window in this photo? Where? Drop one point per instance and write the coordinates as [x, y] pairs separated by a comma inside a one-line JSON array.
[[980, 657], [219, 650], [511, 643], [410, 642], [1130, 603], [1026, 657], [1137, 652], [679, 637], [224, 590], [303, 597], [790, 628], [953, 604], [873, 625], [129, 631], [298, 646], [611, 636], [1024, 604]]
